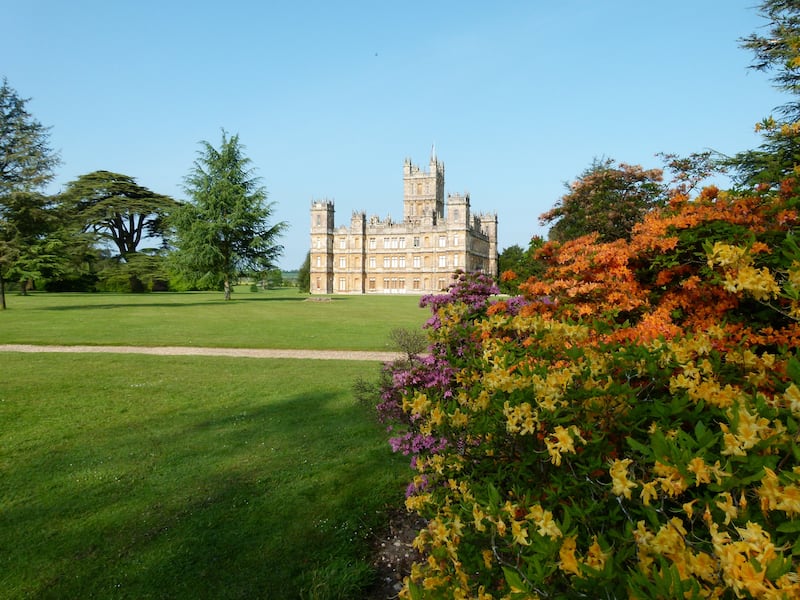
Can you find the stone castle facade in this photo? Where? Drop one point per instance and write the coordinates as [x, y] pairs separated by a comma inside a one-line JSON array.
[[417, 255]]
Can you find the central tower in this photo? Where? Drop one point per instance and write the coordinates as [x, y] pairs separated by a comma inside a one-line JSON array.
[[423, 192]]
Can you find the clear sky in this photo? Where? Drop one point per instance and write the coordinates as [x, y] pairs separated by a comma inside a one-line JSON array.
[[329, 97]]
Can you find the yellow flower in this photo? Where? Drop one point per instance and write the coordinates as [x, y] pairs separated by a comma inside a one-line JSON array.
[[792, 399], [648, 492], [701, 472], [488, 558], [620, 484], [726, 505], [478, 516], [569, 562], [417, 405], [595, 557], [519, 532]]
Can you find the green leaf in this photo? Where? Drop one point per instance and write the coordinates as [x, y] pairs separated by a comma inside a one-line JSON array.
[[793, 369], [789, 527], [494, 496], [415, 591], [514, 580]]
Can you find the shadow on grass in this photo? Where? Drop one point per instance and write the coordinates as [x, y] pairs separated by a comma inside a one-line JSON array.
[[125, 305], [240, 500]]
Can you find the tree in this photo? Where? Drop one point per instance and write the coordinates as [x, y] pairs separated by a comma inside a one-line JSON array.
[[304, 275], [118, 210], [608, 199], [224, 231], [26, 167], [778, 53], [517, 265]]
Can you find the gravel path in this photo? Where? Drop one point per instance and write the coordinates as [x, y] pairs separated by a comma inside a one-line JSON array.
[[192, 351]]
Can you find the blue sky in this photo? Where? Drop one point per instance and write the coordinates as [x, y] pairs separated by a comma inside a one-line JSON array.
[[329, 98]]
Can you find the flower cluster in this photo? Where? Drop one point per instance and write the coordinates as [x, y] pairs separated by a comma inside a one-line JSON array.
[[630, 428]]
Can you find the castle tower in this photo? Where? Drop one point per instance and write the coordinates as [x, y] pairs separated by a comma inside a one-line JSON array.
[[489, 227], [423, 192], [321, 263]]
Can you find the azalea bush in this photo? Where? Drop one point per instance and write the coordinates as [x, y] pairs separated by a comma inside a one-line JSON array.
[[628, 427]]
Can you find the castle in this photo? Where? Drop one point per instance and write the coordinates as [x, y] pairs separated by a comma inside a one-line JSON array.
[[417, 255]]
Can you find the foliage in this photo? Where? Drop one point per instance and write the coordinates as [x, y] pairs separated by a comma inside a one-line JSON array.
[[607, 199], [628, 428], [304, 275], [517, 265], [224, 231], [777, 51], [26, 166], [117, 210]]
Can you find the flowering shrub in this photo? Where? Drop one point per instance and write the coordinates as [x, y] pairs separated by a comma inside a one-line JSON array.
[[629, 428]]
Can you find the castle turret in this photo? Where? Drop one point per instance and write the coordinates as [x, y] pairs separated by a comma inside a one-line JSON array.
[[321, 255]]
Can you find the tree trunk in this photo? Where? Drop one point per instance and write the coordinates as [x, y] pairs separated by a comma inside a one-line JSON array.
[[227, 287], [2, 292]]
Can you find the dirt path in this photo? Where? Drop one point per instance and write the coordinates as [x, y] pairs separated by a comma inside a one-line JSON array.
[[193, 351]]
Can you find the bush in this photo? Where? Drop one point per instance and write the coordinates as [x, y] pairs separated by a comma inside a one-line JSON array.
[[626, 429]]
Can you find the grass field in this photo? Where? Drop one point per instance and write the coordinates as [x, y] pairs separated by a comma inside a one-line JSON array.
[[127, 476], [268, 319]]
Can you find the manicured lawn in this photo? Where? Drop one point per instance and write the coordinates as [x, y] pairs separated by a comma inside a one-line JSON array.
[[127, 476], [267, 319]]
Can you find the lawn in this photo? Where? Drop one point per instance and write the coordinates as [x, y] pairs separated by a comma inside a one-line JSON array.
[[267, 319], [129, 476]]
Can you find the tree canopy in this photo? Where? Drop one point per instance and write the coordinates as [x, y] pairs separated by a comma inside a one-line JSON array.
[[26, 167], [225, 229], [608, 199], [116, 209]]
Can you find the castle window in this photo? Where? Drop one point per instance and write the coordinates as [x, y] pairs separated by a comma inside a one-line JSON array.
[[402, 262], [419, 189], [455, 214], [455, 260], [455, 240], [373, 243], [415, 284], [401, 284], [386, 242], [372, 284], [442, 241], [402, 242], [342, 262], [372, 261], [319, 261], [416, 242], [417, 262], [342, 284], [394, 262], [442, 284], [442, 261], [318, 283], [386, 262], [343, 243], [319, 220]]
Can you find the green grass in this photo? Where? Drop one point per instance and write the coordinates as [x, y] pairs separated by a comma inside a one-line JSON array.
[[125, 476], [268, 319]]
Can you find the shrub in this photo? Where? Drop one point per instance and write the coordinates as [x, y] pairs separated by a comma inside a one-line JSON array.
[[626, 429]]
